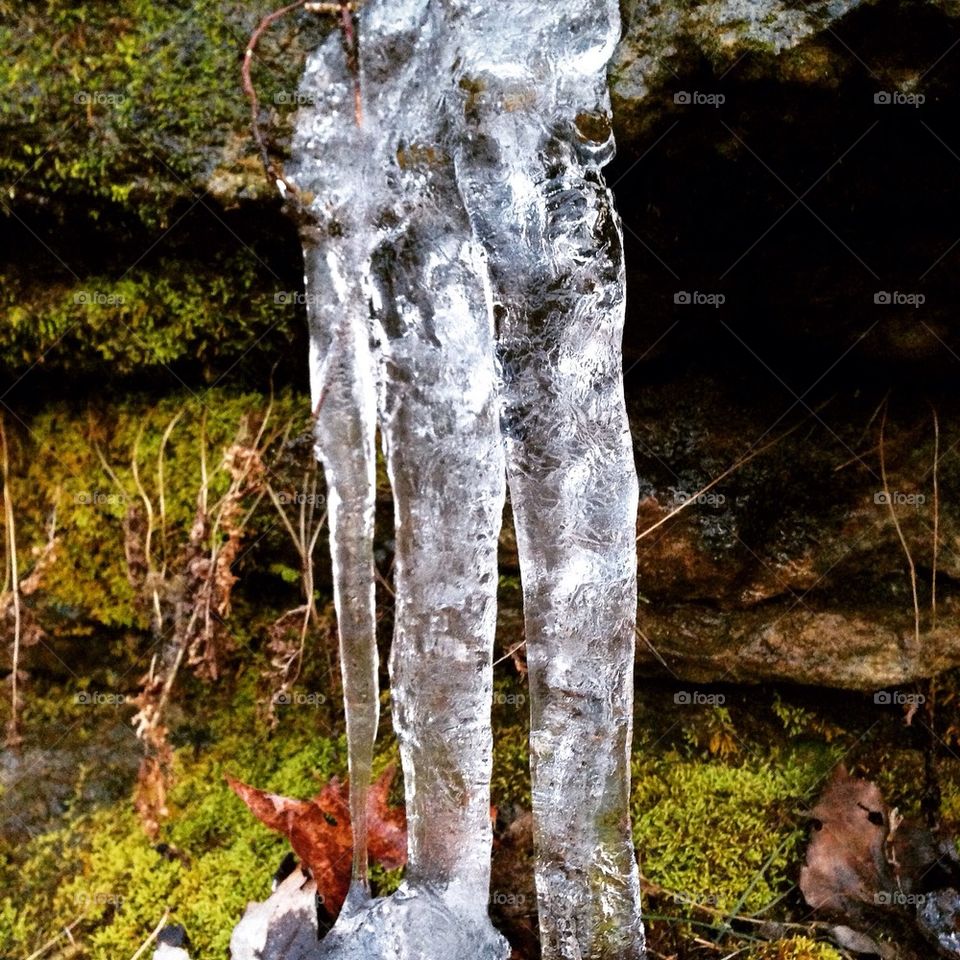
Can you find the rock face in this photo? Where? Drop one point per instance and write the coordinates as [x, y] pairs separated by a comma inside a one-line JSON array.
[[661, 35], [792, 568], [797, 574]]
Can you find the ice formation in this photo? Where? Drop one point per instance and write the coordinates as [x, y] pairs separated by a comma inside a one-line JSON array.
[[465, 290], [538, 132], [342, 378]]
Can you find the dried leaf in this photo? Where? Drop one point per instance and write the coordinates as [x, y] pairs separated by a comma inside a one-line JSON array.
[[846, 867], [387, 826], [867, 865], [320, 833]]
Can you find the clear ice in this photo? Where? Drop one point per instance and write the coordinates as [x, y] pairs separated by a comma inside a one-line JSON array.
[[538, 131], [343, 394], [465, 291]]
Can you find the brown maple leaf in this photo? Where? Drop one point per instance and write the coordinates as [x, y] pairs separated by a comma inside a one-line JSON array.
[[846, 863], [320, 833], [865, 864]]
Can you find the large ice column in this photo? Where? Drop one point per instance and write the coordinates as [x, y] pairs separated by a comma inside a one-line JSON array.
[[537, 118], [440, 428], [515, 94], [329, 153], [426, 296]]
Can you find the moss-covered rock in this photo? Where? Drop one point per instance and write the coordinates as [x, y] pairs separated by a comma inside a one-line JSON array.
[[145, 321], [73, 477], [136, 105]]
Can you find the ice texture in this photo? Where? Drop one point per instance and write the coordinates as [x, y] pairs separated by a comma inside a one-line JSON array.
[[537, 133], [465, 290], [343, 390], [394, 276]]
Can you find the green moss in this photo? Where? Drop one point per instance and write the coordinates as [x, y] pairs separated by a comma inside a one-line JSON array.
[[207, 314], [212, 856], [796, 948], [717, 833], [134, 103], [723, 834], [60, 475], [510, 781]]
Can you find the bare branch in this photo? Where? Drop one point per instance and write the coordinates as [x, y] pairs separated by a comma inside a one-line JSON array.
[[13, 733], [903, 540], [344, 10], [161, 485], [248, 88]]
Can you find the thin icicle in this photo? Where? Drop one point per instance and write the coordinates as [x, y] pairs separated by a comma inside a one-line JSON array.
[[336, 248]]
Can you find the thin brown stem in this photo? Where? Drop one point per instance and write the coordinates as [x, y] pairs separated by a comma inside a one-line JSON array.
[[903, 540], [13, 731], [147, 503], [936, 519], [344, 10], [161, 485], [52, 942], [352, 47], [142, 949], [510, 653], [272, 170]]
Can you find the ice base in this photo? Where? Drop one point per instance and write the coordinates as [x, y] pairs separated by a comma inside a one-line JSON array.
[[414, 923]]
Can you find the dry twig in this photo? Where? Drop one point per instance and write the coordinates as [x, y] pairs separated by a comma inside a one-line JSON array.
[[899, 529], [13, 738]]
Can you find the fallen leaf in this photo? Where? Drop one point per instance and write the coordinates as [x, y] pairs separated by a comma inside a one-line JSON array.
[[846, 867], [320, 833], [869, 866]]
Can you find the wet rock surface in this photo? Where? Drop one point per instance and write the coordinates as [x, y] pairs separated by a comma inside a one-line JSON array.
[[792, 567], [768, 198]]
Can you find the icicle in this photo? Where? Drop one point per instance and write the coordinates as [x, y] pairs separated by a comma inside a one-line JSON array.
[[439, 417], [515, 95], [336, 249], [345, 410], [538, 117]]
